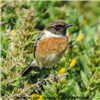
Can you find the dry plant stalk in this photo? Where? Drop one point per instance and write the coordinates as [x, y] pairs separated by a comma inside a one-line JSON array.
[[34, 86], [16, 54], [17, 40]]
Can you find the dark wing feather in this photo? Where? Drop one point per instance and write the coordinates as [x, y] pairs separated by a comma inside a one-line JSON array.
[[26, 70], [37, 41]]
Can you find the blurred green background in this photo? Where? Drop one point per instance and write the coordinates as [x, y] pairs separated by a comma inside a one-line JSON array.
[[22, 21]]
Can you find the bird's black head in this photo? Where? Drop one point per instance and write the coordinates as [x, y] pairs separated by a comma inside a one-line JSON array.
[[58, 27]]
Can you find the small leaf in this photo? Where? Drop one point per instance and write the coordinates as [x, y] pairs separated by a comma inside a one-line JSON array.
[[96, 97], [68, 86], [87, 70], [84, 78], [77, 89], [70, 82], [17, 84], [27, 43]]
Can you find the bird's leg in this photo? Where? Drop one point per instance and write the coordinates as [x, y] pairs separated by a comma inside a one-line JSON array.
[[55, 75], [42, 79]]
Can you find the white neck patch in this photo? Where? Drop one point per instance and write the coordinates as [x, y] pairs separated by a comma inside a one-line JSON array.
[[49, 34]]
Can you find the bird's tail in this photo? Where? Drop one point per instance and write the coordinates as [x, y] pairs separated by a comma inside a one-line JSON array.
[[27, 69]]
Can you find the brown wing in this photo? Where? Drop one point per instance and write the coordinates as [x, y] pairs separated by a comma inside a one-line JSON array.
[[37, 41]]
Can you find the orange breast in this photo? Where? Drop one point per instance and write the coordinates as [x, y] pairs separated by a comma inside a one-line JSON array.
[[51, 45]]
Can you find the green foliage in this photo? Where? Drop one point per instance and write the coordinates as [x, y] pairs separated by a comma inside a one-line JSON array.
[[22, 21]]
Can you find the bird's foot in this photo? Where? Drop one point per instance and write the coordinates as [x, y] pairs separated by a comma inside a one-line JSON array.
[[43, 81], [55, 78]]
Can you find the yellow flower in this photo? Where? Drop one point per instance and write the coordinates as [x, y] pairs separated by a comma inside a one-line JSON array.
[[85, 22], [55, 82], [41, 97], [58, 0], [10, 40], [2, 40], [62, 71], [36, 96], [28, 85], [73, 63], [80, 37], [12, 35], [14, 31]]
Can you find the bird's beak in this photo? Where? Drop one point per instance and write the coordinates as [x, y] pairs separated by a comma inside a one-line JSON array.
[[68, 25]]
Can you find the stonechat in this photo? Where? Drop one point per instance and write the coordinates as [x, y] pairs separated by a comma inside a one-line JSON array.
[[49, 47]]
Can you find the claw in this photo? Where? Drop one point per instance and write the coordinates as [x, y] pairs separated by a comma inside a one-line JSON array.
[[43, 81], [55, 75], [55, 78]]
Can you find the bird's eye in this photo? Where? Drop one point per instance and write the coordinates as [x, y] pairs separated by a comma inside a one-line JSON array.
[[58, 27]]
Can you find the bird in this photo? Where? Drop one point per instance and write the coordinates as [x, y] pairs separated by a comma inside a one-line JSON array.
[[49, 47]]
